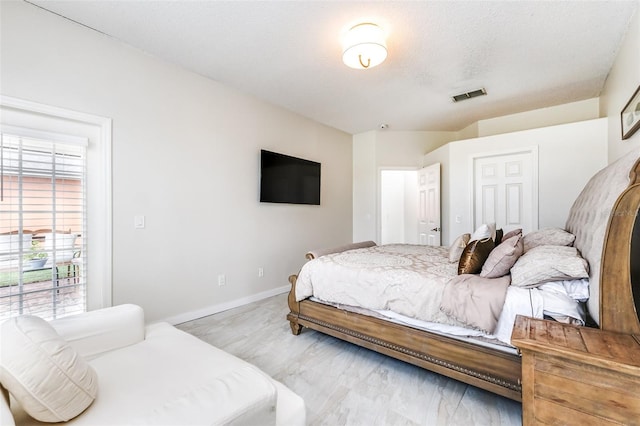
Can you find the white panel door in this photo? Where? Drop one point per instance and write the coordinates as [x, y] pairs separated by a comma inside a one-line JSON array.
[[429, 230], [504, 191]]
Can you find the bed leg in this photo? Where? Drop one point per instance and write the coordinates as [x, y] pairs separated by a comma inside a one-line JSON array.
[[295, 328]]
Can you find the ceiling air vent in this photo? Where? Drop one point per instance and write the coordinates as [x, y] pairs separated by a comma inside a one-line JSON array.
[[469, 95]]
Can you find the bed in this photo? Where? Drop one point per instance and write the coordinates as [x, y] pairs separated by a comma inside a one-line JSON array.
[[604, 221]]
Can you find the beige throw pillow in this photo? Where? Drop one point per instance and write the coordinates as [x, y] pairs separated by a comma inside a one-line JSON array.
[[548, 263], [456, 249], [503, 257], [512, 233], [548, 237], [51, 381]]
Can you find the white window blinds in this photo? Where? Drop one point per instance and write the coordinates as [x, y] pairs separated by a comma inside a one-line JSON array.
[[42, 224]]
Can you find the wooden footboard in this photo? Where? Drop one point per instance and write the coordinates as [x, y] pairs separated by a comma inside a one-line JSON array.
[[496, 371]]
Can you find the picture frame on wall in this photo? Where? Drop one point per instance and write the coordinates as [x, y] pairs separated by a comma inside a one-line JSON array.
[[630, 115]]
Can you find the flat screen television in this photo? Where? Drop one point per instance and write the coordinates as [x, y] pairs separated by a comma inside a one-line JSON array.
[[286, 179]]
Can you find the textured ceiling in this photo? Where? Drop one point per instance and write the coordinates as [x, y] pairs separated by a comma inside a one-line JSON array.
[[527, 54]]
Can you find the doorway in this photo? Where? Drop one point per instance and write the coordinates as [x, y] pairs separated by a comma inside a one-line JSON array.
[[398, 207]]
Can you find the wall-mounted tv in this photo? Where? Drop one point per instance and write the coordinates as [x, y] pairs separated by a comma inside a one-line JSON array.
[[286, 179]]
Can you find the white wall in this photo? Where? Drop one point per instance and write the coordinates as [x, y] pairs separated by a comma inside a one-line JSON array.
[[364, 187], [375, 150], [568, 156], [622, 81], [571, 112], [551, 116], [185, 155]]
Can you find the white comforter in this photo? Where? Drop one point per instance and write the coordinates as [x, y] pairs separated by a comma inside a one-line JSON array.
[[406, 279]]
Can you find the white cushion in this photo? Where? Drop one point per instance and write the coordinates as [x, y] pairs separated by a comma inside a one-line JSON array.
[[52, 382], [96, 332], [481, 233]]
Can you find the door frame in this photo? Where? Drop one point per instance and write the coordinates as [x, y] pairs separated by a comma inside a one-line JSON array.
[[100, 244], [533, 150]]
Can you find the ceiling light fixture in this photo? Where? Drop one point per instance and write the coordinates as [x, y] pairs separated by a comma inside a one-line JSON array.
[[364, 46]]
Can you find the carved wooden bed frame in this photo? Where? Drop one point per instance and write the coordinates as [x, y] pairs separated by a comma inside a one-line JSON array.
[[490, 369]]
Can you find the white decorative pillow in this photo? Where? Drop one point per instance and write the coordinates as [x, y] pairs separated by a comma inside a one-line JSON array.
[[548, 237], [542, 264], [455, 250], [51, 381], [481, 233], [503, 257]]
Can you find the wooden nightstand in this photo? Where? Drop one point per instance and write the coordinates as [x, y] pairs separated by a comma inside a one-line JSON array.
[[577, 375]]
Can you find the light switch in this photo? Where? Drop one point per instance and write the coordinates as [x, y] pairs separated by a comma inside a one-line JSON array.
[[138, 222]]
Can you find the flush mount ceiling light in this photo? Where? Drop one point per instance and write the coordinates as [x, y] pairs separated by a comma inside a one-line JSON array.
[[364, 46]]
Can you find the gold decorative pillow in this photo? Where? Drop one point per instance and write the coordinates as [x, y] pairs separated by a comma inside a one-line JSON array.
[[474, 255]]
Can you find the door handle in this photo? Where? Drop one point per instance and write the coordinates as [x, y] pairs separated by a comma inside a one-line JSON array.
[[438, 229]]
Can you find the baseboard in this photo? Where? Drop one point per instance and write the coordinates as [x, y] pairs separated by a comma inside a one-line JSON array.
[[221, 307]]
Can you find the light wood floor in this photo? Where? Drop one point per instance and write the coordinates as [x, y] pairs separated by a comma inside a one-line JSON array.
[[343, 384]]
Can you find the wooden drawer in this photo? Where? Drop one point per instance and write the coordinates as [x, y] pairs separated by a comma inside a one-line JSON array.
[[577, 375]]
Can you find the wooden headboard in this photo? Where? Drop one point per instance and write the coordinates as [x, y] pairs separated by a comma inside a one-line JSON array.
[[603, 219]]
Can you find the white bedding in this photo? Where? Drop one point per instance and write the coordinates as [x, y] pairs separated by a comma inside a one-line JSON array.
[[405, 283], [406, 279]]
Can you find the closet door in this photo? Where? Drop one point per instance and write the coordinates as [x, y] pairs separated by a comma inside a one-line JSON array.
[[505, 191]]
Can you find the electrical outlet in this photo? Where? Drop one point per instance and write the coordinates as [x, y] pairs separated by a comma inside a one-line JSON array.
[[222, 280], [260, 272]]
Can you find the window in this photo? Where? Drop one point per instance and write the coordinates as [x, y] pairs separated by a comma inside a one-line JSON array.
[[43, 232], [97, 240]]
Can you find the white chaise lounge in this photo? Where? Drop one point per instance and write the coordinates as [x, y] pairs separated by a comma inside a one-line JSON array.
[[155, 374]]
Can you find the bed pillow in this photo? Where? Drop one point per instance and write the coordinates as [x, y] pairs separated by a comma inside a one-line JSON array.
[[542, 264], [577, 290], [474, 255], [548, 237], [482, 232], [512, 233], [503, 257], [51, 381], [456, 249]]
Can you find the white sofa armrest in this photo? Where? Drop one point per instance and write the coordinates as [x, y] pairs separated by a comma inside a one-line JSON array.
[[96, 332]]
